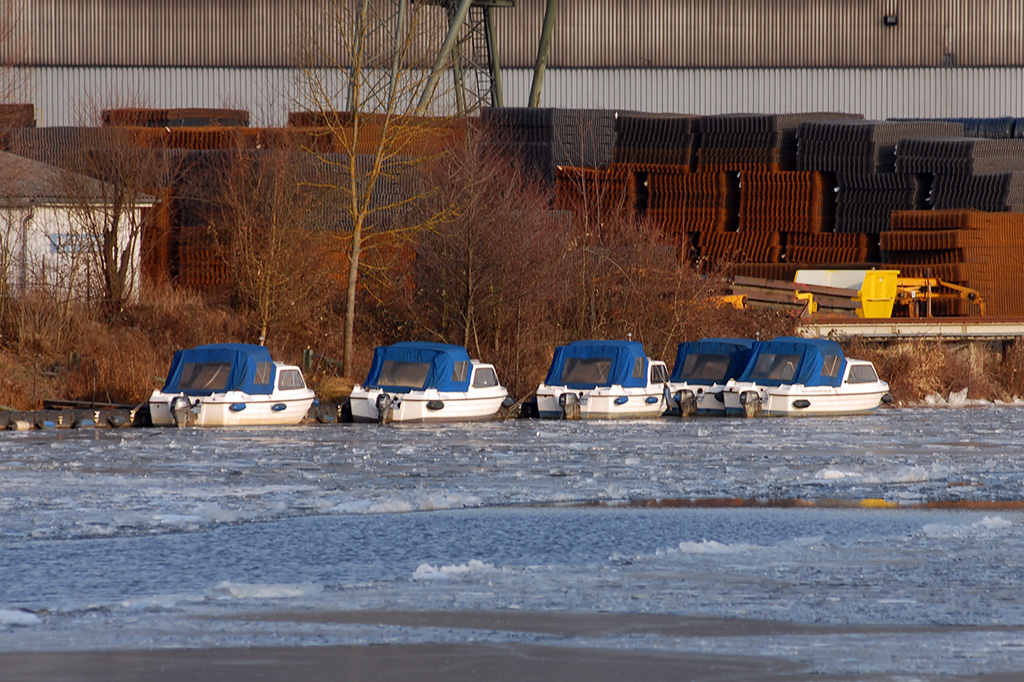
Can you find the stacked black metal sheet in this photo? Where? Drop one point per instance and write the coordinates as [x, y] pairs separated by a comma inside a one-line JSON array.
[[864, 201], [998, 192], [862, 146], [971, 172], [548, 138], [659, 139], [755, 141], [960, 155]]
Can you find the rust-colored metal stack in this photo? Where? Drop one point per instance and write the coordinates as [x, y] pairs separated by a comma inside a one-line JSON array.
[[977, 249], [596, 193]]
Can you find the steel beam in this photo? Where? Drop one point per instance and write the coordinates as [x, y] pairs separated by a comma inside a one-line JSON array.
[[543, 49], [443, 57]]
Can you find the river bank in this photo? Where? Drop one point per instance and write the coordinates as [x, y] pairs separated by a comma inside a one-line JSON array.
[[90, 360]]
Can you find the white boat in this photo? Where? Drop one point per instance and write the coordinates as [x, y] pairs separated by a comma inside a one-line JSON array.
[[426, 382], [603, 380], [701, 371], [230, 384], [790, 377]]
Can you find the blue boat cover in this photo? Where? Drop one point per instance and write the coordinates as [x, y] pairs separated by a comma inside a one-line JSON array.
[[588, 364], [711, 361], [220, 367], [793, 360], [418, 365]]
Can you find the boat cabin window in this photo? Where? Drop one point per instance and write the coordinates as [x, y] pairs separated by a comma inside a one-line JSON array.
[[291, 379], [262, 375], [484, 378], [659, 374], [775, 367], [862, 374], [586, 370], [204, 376], [638, 368], [403, 374], [830, 368], [705, 367], [460, 371]]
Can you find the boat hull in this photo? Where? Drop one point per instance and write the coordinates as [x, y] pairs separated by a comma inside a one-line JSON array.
[[217, 409], [604, 402], [808, 401], [415, 407]]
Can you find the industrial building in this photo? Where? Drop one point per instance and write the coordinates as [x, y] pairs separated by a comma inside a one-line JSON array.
[[878, 58]]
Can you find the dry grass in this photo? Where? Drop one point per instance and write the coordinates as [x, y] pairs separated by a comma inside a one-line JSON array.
[[917, 369]]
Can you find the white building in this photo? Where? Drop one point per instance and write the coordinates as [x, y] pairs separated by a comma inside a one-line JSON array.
[[52, 227]]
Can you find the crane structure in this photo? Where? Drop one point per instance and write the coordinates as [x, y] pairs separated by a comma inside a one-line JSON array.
[[470, 51]]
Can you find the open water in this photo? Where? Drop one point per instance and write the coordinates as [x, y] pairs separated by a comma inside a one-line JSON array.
[[909, 522]]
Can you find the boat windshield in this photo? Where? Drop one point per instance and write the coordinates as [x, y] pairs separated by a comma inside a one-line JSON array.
[[403, 374], [485, 378], [204, 376], [586, 371], [291, 379], [705, 367], [862, 374], [775, 367]]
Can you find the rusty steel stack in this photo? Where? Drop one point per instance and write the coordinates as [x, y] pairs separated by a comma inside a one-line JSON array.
[[977, 249], [779, 207]]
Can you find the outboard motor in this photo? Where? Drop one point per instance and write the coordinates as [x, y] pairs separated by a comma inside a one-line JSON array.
[[181, 410], [687, 403], [752, 405], [385, 409], [570, 404]]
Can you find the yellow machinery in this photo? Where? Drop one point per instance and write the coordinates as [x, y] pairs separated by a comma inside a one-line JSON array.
[[864, 293], [917, 294], [874, 291]]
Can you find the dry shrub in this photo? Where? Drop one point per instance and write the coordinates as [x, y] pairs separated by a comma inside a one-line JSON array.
[[1010, 373], [917, 369]]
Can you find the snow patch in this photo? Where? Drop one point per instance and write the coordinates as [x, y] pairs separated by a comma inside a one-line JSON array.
[[702, 547], [428, 572], [19, 617], [230, 590]]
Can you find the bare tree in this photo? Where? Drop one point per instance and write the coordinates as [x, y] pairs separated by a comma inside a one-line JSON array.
[[110, 212], [363, 85], [490, 275], [267, 211]]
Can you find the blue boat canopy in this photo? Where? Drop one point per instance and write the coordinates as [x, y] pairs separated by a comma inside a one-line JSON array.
[[588, 364], [793, 360], [419, 365], [711, 361], [220, 367]]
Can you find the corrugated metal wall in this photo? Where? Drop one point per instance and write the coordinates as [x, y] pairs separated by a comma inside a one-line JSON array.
[[876, 93], [219, 33], [74, 96], [589, 33]]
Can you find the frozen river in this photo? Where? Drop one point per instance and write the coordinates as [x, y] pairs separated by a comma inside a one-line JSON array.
[[889, 545]]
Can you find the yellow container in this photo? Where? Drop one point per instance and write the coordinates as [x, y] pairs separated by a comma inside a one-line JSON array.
[[877, 294]]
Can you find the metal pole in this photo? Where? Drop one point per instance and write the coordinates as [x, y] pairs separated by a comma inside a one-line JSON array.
[[442, 57], [542, 52], [492, 57]]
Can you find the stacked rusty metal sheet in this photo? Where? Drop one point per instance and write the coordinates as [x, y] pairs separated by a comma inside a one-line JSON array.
[[977, 249], [175, 118]]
